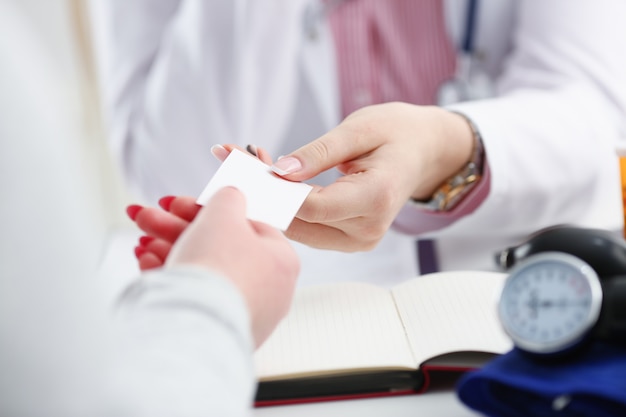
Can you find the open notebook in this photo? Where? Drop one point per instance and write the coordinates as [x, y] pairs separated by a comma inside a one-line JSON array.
[[354, 339]]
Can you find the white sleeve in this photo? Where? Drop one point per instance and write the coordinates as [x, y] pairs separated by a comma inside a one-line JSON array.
[[183, 336], [184, 347], [551, 133], [179, 76]]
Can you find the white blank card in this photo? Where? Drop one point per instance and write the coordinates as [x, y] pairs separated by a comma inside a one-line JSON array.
[[269, 198]]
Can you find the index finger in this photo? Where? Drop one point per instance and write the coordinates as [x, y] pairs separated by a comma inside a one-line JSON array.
[[340, 145], [182, 206]]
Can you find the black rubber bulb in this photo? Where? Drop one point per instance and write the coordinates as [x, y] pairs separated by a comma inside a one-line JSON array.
[[603, 250]]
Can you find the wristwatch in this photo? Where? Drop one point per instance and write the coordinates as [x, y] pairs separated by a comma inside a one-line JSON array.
[[554, 302], [452, 191]]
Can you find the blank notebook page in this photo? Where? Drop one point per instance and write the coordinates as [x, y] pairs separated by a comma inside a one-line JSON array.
[[452, 311], [338, 326]]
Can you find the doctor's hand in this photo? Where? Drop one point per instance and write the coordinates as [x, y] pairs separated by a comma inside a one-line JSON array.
[[388, 153], [255, 257]]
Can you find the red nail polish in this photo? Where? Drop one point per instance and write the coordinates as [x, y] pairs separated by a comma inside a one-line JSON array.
[[132, 211], [166, 202], [139, 251], [145, 240]]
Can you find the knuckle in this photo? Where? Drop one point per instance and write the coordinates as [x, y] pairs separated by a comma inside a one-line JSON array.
[[321, 149]]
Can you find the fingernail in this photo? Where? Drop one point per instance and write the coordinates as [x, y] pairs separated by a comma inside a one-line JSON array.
[[166, 202], [252, 149], [139, 251], [145, 240], [219, 152], [287, 165], [132, 211]]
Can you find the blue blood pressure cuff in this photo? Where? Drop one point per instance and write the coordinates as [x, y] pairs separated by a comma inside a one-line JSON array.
[[593, 383]]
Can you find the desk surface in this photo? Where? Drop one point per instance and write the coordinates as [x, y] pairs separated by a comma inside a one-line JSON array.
[[119, 267], [433, 404]]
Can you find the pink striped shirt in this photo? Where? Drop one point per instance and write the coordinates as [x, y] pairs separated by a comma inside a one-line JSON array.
[[391, 50]]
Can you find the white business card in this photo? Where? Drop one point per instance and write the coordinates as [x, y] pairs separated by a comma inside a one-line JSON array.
[[269, 198]]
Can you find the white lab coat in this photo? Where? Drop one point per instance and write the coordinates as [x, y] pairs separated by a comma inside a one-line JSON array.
[[179, 76]]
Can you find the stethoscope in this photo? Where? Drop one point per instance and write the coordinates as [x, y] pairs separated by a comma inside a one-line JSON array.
[[470, 81]]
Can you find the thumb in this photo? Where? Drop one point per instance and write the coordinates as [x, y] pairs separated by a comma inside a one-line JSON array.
[[223, 215], [227, 204], [332, 149]]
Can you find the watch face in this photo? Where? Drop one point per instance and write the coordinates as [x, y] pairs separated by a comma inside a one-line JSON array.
[[549, 302]]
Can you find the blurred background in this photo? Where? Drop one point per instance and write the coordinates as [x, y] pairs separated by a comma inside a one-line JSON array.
[[67, 193], [62, 207], [62, 26]]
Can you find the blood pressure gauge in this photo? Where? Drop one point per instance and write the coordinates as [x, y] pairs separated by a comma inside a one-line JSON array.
[[550, 302], [566, 286]]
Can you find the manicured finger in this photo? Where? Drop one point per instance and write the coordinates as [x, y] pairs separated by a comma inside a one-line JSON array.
[[160, 224], [264, 156], [133, 210], [335, 147], [158, 247], [219, 152], [184, 207], [149, 261]]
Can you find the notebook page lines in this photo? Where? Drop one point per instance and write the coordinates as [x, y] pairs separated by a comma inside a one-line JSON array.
[[452, 311], [336, 327]]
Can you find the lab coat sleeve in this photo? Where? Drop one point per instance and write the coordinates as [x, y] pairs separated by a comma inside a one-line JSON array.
[[179, 76], [185, 347], [551, 132], [415, 219]]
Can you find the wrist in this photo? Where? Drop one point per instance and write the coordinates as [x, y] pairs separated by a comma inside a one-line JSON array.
[[467, 174]]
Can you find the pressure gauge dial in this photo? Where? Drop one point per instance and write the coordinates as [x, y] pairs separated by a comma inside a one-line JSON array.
[[550, 302]]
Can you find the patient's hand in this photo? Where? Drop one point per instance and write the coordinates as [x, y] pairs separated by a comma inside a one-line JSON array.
[[218, 237], [162, 226]]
